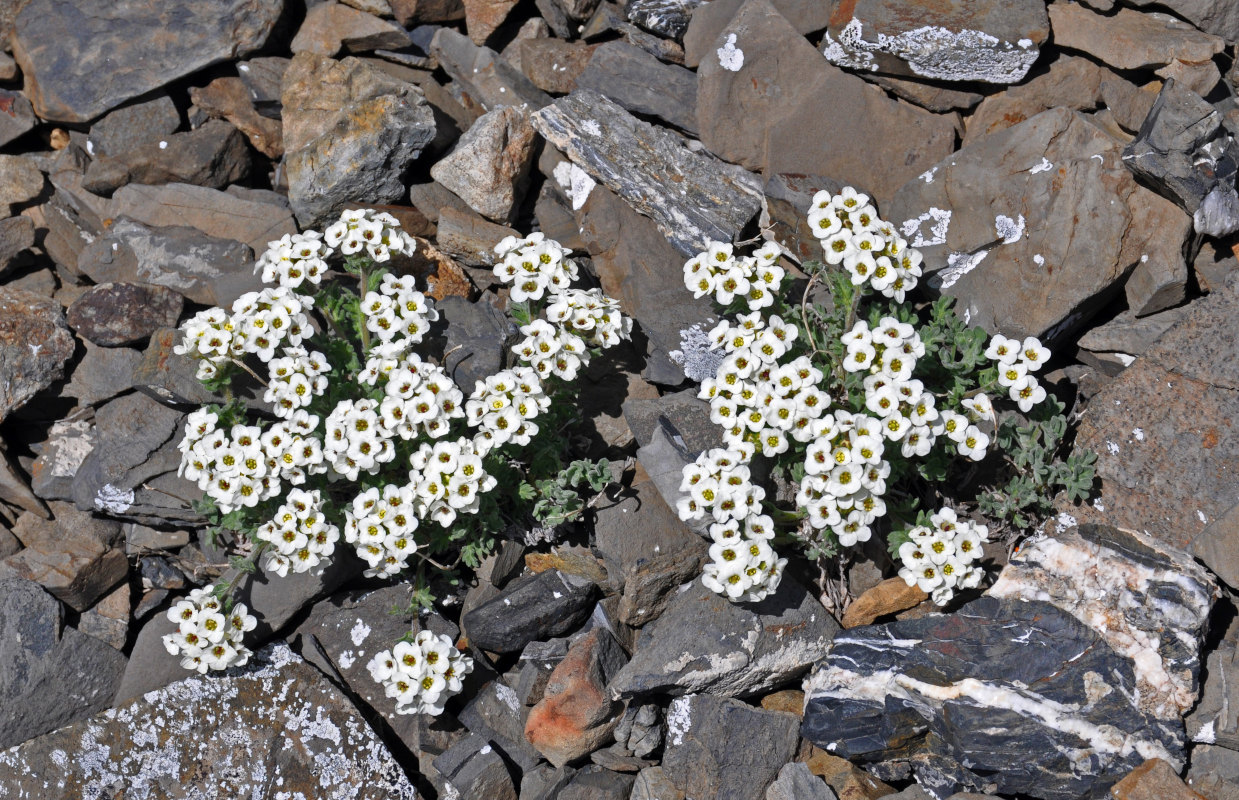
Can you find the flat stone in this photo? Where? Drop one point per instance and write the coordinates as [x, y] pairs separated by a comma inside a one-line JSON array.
[[68, 443], [359, 151], [1214, 772], [50, 674], [1130, 39], [795, 782], [472, 768], [925, 697], [277, 722], [1164, 433], [20, 180], [639, 162], [133, 126], [481, 331], [483, 17], [709, 19], [108, 620], [75, 567], [231, 99], [531, 609], [330, 27], [705, 643], [489, 165], [212, 155], [468, 237], [929, 96], [640, 83], [998, 219], [598, 782], [113, 314], [849, 781], [1215, 720], [609, 19], [222, 215], [652, 783], [1130, 104], [16, 238], [1071, 82], [16, 116], [496, 714], [114, 58], [486, 80], [1132, 335], [1211, 16], [994, 42], [414, 12], [1201, 77], [888, 597], [1153, 780], [554, 65], [203, 268], [576, 714], [722, 748], [15, 486], [35, 343], [759, 91], [168, 377]]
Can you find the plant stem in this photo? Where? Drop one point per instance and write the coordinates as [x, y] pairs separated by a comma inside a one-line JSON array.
[[363, 287], [252, 373]]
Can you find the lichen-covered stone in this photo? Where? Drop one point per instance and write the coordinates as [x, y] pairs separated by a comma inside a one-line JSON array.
[[35, 343], [113, 314]]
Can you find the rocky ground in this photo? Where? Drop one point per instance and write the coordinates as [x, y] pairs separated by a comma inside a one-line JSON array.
[[1068, 172]]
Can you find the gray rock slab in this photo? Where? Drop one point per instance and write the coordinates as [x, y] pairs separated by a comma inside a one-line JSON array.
[[642, 84], [1211, 16], [16, 115], [692, 197], [472, 768], [480, 330], [133, 126], [115, 57], [490, 164], [709, 19], [487, 79], [1130, 39], [532, 609], [16, 238], [116, 314], [795, 782], [705, 643]]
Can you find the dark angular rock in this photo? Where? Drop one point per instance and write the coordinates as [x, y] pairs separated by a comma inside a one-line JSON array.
[[535, 608], [1131, 335], [358, 152], [20, 180], [760, 89], [1214, 772], [653, 784], [213, 155], [16, 116], [485, 78], [473, 768], [795, 782], [108, 620], [726, 749], [640, 83], [35, 343], [277, 722], [545, 782], [263, 77], [667, 18], [705, 643], [113, 314], [480, 330], [133, 126], [596, 782], [411, 13], [988, 41], [50, 675], [788, 200], [115, 58], [496, 714], [16, 238], [72, 556], [230, 99], [929, 96], [640, 731], [203, 268], [68, 443], [489, 165], [1215, 720], [931, 695]]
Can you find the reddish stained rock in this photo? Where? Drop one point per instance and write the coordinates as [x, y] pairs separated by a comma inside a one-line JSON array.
[[1153, 780], [76, 570], [888, 597], [483, 17], [35, 343], [576, 714], [228, 98], [114, 314]]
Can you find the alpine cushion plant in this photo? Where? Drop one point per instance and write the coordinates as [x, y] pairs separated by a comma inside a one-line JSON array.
[[366, 441], [868, 412]]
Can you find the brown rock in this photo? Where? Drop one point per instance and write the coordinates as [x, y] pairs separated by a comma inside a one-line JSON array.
[[789, 700], [1129, 103], [469, 238], [848, 781], [228, 98], [20, 180], [576, 714], [1199, 76], [1071, 83], [888, 597], [16, 237], [569, 560], [114, 314], [443, 276], [1130, 39], [709, 19], [929, 96], [77, 569], [487, 169], [553, 64], [1153, 780], [421, 12], [213, 155], [35, 343], [108, 620], [483, 17], [328, 27], [757, 115], [218, 214], [1159, 279], [15, 488]]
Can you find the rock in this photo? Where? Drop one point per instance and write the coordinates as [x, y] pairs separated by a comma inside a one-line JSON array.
[[359, 151], [20, 180], [1130, 104], [490, 163], [1184, 153], [926, 696], [274, 722], [140, 538], [789, 700], [50, 674], [929, 96], [597, 782], [35, 343], [554, 65], [1153, 780], [108, 622], [469, 238], [486, 80], [789, 197], [681, 415], [213, 155], [667, 18], [15, 486], [609, 19], [168, 377], [472, 768], [496, 714], [230, 99], [480, 330], [1104, 578], [204, 269], [576, 714], [643, 268], [849, 781], [68, 443], [113, 314], [709, 19], [758, 91], [795, 782], [726, 749], [263, 77], [16, 238], [1130, 39], [16, 116], [1130, 335], [1200, 77], [639, 162], [115, 57], [532, 609], [411, 13], [328, 27], [640, 83], [1015, 223], [1211, 16], [705, 643], [1214, 545], [640, 729], [483, 17], [74, 566], [1213, 720], [1071, 82], [214, 213], [652, 783], [1214, 772], [1161, 428], [990, 42], [888, 597], [545, 782], [1159, 279], [133, 126]]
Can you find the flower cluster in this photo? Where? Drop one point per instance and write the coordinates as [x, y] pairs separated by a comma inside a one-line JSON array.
[[534, 266], [448, 477], [870, 250], [376, 232], [551, 350], [421, 674], [591, 315], [300, 535], [941, 558], [295, 379], [397, 313], [845, 475], [503, 406], [260, 322], [294, 259], [720, 273], [206, 637], [380, 527], [1016, 363]]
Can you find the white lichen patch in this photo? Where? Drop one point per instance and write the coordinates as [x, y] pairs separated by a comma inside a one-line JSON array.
[[591, 127], [940, 222], [576, 183], [679, 719], [934, 52], [507, 696], [1044, 166], [696, 356], [1009, 230], [72, 441], [928, 175], [113, 499], [958, 265], [730, 57], [359, 633]]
